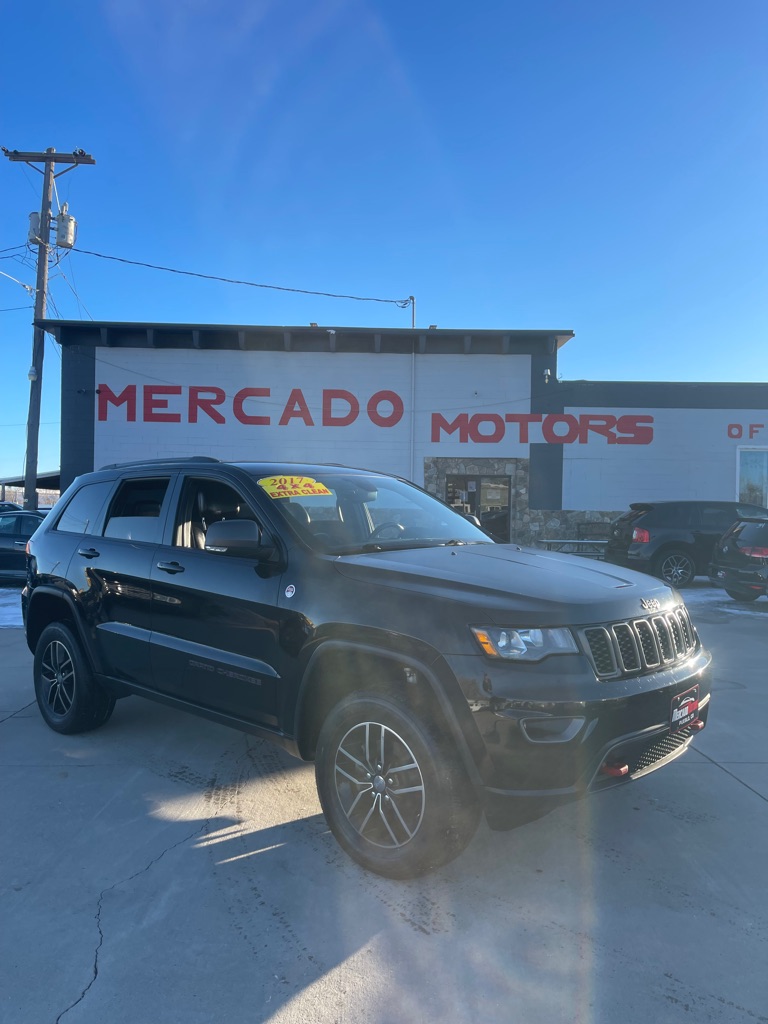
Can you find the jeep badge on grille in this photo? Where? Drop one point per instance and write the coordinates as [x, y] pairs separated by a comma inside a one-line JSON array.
[[650, 604]]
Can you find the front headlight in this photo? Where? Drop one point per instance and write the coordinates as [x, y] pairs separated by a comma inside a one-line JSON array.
[[524, 644]]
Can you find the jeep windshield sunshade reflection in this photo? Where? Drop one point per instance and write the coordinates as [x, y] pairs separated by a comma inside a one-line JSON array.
[[344, 513]]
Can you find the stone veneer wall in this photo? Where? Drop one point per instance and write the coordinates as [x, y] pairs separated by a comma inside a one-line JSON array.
[[527, 525]]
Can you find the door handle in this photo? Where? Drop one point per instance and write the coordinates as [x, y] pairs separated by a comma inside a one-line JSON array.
[[88, 552], [19, 543], [171, 567]]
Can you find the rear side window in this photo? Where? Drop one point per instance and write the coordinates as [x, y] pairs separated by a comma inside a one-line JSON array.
[[631, 517], [84, 507], [135, 510], [10, 524], [752, 535], [715, 517]]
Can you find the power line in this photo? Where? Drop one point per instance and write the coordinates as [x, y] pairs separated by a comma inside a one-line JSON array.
[[401, 303]]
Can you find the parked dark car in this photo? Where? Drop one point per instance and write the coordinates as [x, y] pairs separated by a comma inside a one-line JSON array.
[[740, 561], [15, 530], [430, 673], [673, 540], [9, 506]]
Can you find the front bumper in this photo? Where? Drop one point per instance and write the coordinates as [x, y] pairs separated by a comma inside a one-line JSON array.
[[543, 752]]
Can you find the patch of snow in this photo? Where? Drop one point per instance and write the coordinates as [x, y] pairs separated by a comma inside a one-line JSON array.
[[10, 607]]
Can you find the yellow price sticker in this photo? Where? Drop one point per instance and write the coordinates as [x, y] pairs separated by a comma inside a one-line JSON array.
[[292, 486]]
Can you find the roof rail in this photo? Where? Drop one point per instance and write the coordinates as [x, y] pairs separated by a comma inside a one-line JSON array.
[[157, 462]]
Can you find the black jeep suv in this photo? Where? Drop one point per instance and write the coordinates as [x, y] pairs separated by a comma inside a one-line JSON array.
[[673, 540], [430, 673]]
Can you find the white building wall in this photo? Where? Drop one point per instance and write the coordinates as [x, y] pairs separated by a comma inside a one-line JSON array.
[[390, 412], [395, 436], [692, 455]]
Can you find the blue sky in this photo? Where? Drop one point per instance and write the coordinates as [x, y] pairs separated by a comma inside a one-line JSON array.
[[578, 164]]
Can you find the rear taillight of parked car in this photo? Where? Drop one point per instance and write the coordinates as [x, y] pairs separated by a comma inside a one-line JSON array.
[[754, 552], [640, 536]]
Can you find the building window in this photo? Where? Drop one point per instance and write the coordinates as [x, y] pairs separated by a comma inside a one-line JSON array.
[[753, 476]]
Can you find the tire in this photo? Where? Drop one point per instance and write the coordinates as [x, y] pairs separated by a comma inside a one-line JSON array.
[[393, 798], [743, 595], [675, 567], [69, 698]]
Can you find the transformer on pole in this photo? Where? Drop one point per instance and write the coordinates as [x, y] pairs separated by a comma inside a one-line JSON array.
[[39, 234]]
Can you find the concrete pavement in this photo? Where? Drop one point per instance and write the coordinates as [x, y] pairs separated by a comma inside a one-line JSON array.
[[164, 869]]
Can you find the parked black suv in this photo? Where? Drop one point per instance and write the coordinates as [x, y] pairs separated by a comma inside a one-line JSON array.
[[740, 561], [359, 622], [673, 540], [15, 530]]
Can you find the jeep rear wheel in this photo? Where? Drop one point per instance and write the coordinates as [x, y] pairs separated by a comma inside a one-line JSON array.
[[69, 699], [391, 796], [675, 567]]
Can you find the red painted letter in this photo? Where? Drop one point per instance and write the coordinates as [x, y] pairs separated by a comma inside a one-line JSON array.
[[344, 419], [461, 423], [154, 402], [631, 425], [397, 409], [296, 408], [241, 414], [524, 419], [490, 417], [548, 428], [126, 397], [196, 401]]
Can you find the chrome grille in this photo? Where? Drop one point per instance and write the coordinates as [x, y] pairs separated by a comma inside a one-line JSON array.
[[640, 645]]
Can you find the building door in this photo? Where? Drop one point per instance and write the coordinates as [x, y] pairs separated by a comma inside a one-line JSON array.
[[486, 497]]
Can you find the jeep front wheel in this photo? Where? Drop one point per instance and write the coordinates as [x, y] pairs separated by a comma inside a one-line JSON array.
[[395, 801], [69, 698]]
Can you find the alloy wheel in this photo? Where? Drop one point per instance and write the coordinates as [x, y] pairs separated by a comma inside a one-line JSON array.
[[58, 677], [379, 785], [677, 569]]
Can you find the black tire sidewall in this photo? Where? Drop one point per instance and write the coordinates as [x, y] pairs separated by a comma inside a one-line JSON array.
[[736, 595], [91, 706], [451, 810]]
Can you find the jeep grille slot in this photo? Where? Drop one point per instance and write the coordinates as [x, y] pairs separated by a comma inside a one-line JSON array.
[[601, 649], [630, 648]]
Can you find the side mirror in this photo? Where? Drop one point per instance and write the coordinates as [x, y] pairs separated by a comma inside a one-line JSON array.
[[240, 537]]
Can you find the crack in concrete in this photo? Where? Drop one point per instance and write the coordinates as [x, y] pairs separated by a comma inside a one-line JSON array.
[[17, 712], [721, 766], [99, 905]]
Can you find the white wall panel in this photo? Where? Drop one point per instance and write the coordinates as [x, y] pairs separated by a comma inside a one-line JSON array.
[[692, 455], [293, 425]]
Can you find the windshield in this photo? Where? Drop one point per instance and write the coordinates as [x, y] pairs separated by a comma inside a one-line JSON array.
[[343, 513]]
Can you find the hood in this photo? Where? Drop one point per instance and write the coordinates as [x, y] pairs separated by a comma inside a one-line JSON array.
[[503, 579]]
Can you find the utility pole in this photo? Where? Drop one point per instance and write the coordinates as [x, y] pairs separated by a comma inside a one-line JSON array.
[[49, 159]]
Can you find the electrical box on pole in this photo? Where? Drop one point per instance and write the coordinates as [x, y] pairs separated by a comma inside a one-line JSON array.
[[33, 235], [66, 229], [39, 234]]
